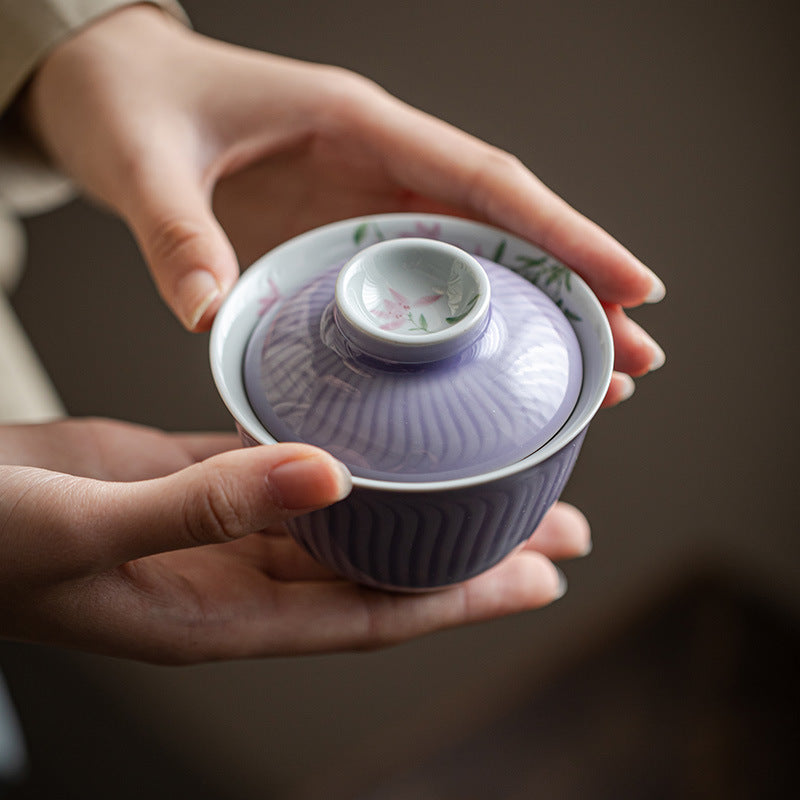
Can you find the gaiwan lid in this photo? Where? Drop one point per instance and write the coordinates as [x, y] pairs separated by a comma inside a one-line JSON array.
[[415, 361]]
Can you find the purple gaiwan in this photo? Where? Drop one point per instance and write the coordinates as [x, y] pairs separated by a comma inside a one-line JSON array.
[[415, 362], [456, 390]]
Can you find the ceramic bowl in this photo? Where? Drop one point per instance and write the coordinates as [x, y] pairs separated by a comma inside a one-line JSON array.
[[398, 529]]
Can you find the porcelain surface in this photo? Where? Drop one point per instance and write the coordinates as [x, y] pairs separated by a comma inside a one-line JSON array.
[[487, 376], [411, 536], [411, 300]]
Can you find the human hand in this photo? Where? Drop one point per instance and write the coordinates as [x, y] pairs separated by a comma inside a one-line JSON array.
[[127, 541], [157, 122]]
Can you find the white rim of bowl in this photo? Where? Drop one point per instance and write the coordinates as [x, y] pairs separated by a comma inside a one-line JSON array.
[[573, 427]]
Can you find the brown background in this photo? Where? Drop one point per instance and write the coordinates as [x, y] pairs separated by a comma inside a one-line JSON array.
[[673, 125]]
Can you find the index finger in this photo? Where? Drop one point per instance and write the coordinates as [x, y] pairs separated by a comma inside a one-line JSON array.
[[431, 157]]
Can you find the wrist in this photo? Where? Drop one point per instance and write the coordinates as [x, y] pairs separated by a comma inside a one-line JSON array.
[[81, 61]]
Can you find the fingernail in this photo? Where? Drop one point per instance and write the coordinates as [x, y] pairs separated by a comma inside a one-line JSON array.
[[658, 291], [309, 482], [627, 387], [195, 294], [659, 357], [562, 584], [587, 550]]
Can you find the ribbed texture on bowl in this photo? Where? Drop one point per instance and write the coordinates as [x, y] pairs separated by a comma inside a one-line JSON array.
[[415, 541], [496, 402]]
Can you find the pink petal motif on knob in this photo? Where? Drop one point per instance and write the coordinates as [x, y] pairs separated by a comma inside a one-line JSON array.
[[427, 300], [395, 311], [399, 310]]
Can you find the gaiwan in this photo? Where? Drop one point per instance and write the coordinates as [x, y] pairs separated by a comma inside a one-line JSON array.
[[455, 389]]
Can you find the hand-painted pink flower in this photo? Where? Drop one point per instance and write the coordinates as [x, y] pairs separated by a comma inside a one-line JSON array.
[[397, 311], [433, 231], [265, 303]]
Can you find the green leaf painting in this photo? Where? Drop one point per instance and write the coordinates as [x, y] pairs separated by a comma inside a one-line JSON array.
[[548, 274], [459, 317], [361, 231], [542, 271], [420, 325]]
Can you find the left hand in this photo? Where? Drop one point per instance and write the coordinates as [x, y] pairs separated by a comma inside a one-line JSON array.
[[113, 541], [157, 121]]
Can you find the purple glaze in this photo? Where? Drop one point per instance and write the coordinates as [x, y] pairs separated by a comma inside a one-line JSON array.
[[408, 541], [414, 542], [492, 404]]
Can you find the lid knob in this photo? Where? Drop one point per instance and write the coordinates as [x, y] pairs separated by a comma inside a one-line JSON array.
[[412, 301]]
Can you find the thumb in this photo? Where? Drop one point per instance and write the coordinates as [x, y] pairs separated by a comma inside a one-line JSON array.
[[78, 526], [189, 255], [223, 498]]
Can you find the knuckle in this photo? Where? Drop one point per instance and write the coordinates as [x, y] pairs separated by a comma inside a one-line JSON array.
[[495, 168], [345, 81], [507, 161], [214, 514], [499, 164], [171, 237], [348, 95]]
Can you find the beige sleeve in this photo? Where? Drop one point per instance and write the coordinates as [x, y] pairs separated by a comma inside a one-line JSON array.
[[29, 184], [29, 29]]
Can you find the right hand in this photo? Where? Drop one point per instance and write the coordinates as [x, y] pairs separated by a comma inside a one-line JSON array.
[[155, 119]]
